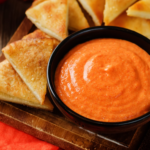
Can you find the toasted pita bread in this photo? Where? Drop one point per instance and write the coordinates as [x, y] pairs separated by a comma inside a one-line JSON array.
[[40, 34], [30, 58], [13, 89], [95, 9], [140, 9], [77, 20], [51, 17], [113, 8], [139, 25], [36, 34]]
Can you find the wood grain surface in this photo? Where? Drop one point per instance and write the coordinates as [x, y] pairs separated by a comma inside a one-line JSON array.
[[53, 127], [11, 15]]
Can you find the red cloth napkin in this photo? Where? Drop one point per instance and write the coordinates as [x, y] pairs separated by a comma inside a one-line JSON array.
[[12, 139]]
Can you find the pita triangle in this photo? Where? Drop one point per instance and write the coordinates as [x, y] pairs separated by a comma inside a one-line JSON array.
[[36, 34], [51, 16], [140, 9], [30, 58], [139, 25], [40, 34], [113, 8], [13, 89], [95, 9], [77, 20]]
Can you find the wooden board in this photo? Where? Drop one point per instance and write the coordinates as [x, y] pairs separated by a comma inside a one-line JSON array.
[[56, 129]]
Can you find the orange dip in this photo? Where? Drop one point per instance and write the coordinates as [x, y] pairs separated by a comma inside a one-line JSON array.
[[105, 80]]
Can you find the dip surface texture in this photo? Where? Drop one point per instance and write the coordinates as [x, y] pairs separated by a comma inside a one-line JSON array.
[[105, 80]]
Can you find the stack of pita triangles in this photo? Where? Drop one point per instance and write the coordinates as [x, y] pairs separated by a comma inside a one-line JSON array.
[[113, 8], [13, 89], [140, 9], [23, 78], [136, 17], [56, 16]]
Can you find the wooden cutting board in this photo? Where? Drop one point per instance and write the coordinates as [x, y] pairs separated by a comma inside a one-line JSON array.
[[54, 128]]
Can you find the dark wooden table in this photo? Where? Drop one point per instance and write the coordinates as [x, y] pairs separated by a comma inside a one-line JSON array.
[[11, 15], [12, 12]]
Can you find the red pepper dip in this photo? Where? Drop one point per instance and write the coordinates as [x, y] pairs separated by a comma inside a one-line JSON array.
[[105, 80]]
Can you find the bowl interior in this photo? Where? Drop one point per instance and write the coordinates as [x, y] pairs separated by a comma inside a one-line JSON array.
[[86, 35]]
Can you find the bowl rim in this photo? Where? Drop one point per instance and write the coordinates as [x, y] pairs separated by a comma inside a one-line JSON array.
[[73, 113]]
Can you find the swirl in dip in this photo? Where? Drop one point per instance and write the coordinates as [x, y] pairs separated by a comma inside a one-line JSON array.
[[105, 80]]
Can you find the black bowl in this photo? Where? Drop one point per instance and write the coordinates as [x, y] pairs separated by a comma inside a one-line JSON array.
[[82, 36]]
